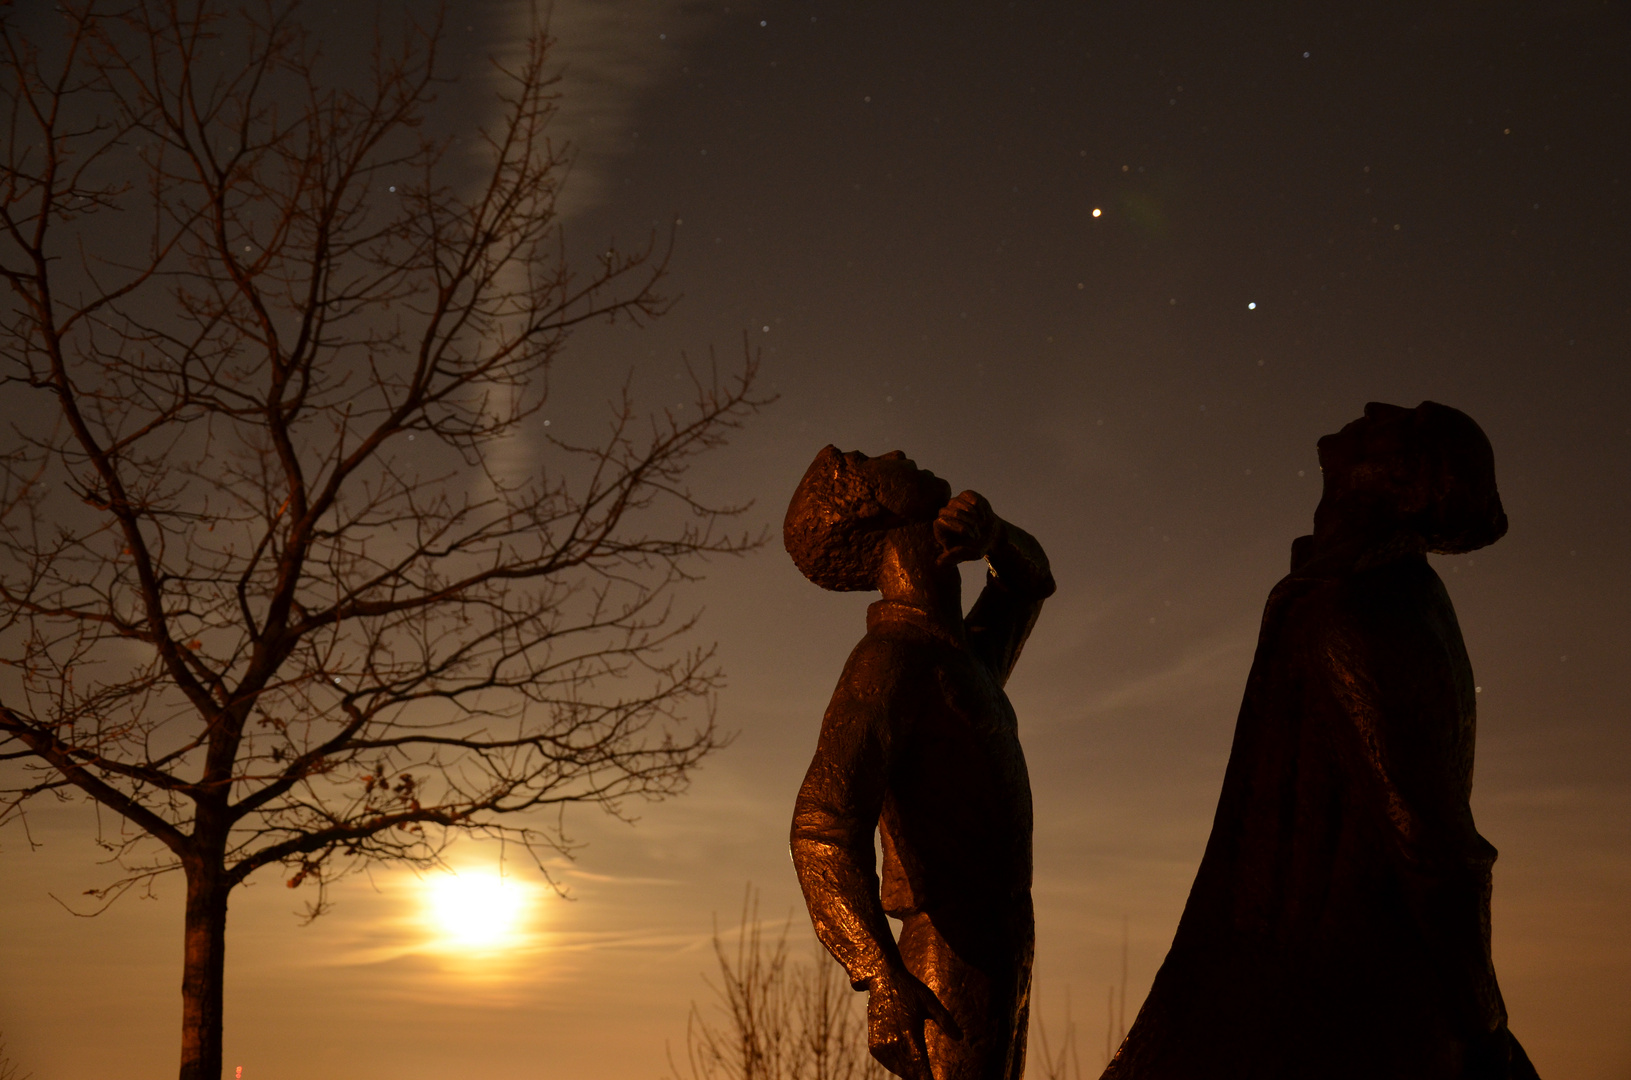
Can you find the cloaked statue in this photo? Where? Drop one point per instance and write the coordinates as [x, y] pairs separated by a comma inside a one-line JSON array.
[[921, 745], [1339, 924]]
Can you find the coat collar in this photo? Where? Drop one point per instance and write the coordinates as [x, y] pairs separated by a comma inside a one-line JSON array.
[[893, 611]]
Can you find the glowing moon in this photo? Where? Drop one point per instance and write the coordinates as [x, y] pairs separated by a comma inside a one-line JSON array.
[[476, 909]]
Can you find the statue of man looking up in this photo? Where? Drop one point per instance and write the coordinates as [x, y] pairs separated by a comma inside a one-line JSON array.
[[921, 744], [1339, 924]]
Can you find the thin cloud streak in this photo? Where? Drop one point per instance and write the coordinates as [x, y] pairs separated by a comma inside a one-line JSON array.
[[611, 54]]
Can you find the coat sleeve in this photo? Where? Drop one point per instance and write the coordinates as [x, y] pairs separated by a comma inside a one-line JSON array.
[[838, 807], [1393, 702], [1396, 735], [1017, 582]]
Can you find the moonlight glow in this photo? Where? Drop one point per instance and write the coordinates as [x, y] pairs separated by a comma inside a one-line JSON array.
[[475, 909]]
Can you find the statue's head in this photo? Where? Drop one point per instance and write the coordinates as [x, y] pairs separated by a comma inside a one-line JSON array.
[[1429, 469], [843, 510]]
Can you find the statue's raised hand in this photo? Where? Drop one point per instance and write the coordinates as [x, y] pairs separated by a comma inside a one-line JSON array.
[[966, 529]]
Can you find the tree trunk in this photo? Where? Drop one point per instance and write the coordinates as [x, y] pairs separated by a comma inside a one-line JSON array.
[[203, 972]]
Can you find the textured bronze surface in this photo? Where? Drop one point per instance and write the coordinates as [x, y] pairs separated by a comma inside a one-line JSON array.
[[1339, 925], [921, 745]]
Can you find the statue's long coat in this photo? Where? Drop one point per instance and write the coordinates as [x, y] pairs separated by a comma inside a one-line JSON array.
[[1339, 924]]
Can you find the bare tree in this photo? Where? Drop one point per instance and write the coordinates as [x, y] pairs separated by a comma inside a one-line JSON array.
[[275, 586], [776, 1018]]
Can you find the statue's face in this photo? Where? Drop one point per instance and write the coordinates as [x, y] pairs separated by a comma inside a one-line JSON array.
[[1430, 467], [1368, 453], [913, 493]]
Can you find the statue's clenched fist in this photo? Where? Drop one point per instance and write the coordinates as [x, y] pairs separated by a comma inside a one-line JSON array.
[[967, 528]]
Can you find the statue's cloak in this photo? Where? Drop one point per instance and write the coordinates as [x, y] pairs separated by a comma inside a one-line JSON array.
[[1339, 926]]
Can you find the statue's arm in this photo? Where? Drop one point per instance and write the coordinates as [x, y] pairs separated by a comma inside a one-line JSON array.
[[837, 813], [1411, 782], [1442, 861], [833, 824], [1017, 581]]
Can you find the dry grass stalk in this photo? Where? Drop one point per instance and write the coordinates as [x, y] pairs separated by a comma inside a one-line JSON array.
[[776, 1018]]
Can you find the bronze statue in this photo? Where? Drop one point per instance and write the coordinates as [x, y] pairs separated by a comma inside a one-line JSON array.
[[1338, 927], [921, 744]]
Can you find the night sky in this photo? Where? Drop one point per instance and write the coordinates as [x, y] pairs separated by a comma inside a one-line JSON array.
[[1116, 267]]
